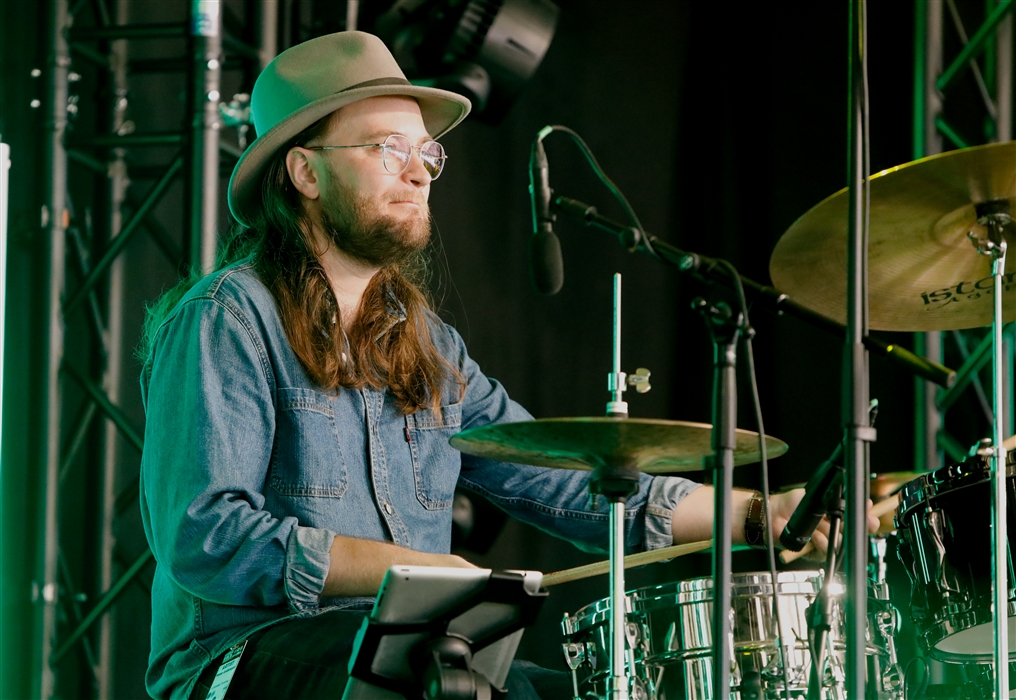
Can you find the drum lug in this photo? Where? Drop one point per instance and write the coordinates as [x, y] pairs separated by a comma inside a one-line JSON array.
[[892, 681]]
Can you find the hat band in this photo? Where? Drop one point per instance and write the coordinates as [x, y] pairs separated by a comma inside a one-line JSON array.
[[375, 83]]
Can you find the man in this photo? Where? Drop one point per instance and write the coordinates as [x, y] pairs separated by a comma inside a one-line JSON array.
[[300, 399]]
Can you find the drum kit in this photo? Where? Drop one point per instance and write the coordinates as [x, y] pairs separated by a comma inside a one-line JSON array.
[[657, 643]]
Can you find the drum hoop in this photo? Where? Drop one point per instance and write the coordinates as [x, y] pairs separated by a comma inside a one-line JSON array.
[[919, 493]]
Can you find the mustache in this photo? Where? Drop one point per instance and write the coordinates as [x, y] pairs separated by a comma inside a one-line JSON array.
[[406, 197]]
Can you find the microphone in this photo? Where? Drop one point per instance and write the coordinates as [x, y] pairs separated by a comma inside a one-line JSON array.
[[546, 269], [812, 508]]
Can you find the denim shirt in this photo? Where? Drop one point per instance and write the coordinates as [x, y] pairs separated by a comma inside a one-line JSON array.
[[250, 470]]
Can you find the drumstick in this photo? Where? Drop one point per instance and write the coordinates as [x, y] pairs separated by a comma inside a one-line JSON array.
[[602, 567], [878, 510]]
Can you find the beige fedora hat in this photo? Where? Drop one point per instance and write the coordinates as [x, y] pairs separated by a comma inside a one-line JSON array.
[[313, 79]]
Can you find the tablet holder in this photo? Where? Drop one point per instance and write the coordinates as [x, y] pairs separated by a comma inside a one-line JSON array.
[[442, 661]]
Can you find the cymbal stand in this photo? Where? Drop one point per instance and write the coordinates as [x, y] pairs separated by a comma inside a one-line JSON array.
[[724, 330], [617, 482], [995, 216]]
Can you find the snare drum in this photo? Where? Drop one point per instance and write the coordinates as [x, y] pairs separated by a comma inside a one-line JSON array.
[[669, 640], [944, 528]]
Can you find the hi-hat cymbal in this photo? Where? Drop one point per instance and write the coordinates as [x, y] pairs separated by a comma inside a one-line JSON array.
[[653, 446], [923, 272]]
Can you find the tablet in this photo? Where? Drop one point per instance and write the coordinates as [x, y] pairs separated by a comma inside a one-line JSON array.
[[417, 602]]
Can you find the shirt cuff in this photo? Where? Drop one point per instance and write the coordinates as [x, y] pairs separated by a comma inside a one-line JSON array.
[[664, 494], [308, 556]]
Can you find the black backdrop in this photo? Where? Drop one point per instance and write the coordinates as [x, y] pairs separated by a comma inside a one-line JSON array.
[[722, 122]]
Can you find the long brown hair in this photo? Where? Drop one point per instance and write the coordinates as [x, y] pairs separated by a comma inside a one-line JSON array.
[[382, 352]]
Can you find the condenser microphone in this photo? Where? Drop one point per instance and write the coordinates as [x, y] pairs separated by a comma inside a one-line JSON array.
[[812, 508], [546, 268]]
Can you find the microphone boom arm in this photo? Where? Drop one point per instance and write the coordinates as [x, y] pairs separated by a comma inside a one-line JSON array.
[[705, 268]]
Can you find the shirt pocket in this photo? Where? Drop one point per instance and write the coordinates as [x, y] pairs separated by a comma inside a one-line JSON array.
[[436, 464], [307, 457]]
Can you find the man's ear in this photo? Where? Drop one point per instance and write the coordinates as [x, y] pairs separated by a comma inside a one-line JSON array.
[[302, 172]]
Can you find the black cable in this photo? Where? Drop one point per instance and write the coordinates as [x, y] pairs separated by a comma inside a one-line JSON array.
[[924, 678], [599, 172]]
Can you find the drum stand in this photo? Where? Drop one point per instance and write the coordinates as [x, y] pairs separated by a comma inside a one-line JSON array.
[[725, 330], [995, 216]]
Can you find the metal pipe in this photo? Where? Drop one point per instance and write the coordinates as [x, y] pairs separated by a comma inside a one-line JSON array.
[[206, 38], [77, 438], [45, 585], [1004, 79], [138, 31], [107, 407], [971, 366], [151, 199], [976, 45], [169, 138], [107, 600], [927, 141], [113, 370], [945, 128], [1000, 540], [352, 13], [617, 684], [616, 407], [982, 88], [268, 32], [856, 419], [975, 379]]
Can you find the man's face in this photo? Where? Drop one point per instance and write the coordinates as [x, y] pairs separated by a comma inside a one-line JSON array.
[[372, 215]]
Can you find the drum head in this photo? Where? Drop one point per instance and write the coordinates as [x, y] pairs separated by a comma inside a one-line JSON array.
[[977, 641]]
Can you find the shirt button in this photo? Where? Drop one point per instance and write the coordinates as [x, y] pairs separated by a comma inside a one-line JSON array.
[[388, 507]]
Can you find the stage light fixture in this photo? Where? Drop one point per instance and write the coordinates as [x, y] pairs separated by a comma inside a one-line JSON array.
[[485, 50]]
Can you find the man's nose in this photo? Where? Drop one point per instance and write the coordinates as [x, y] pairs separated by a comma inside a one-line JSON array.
[[416, 173]]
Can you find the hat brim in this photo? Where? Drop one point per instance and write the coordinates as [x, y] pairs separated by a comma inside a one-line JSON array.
[[441, 110]]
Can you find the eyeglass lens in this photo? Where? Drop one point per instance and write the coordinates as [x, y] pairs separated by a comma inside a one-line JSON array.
[[398, 150]]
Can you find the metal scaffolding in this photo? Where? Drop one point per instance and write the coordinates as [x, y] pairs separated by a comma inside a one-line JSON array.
[[84, 423], [984, 62]]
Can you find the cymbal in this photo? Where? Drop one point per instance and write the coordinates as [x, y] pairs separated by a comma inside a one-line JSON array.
[[881, 486], [923, 272], [887, 483], [654, 446]]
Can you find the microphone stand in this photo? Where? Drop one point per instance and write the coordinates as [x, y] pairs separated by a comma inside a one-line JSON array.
[[725, 331], [820, 611]]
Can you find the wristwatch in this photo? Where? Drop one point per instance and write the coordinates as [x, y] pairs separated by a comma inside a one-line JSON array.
[[754, 522]]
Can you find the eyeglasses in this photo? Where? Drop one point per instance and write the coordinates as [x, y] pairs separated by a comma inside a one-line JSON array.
[[396, 152]]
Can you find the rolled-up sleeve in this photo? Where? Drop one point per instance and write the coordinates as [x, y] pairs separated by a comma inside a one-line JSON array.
[[556, 500], [664, 495], [208, 445]]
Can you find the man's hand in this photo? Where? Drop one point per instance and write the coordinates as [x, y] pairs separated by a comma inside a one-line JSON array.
[[358, 566], [692, 520], [782, 506]]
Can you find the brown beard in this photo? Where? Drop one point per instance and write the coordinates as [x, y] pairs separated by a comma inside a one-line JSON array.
[[361, 230]]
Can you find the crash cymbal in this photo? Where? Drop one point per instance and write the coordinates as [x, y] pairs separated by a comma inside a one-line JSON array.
[[654, 446], [923, 272]]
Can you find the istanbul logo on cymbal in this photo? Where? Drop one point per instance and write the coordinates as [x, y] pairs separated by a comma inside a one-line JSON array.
[[967, 291]]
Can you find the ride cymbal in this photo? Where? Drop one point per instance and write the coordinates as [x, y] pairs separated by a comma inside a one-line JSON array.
[[923, 272], [654, 446]]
